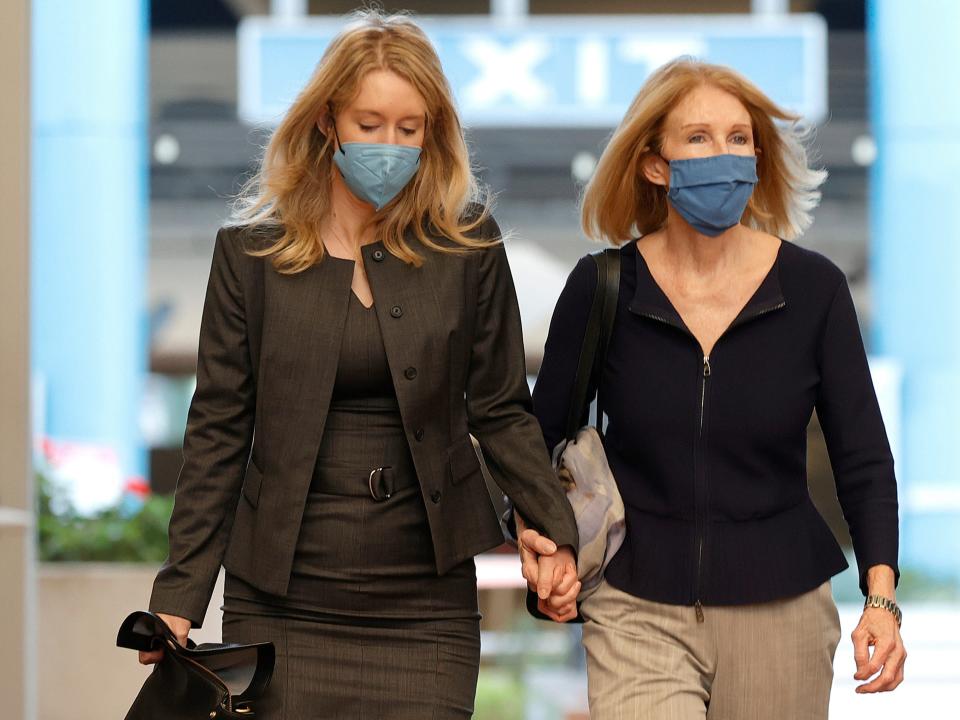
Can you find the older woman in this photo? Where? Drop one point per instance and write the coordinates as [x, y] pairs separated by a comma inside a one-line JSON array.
[[727, 337], [360, 321]]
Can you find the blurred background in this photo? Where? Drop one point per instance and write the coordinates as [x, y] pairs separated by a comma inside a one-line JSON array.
[[130, 126]]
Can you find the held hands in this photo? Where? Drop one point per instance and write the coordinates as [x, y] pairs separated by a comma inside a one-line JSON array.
[[180, 627], [550, 571]]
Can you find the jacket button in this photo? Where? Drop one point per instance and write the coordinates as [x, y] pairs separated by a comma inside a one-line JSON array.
[[378, 255], [435, 496], [419, 434], [410, 373], [396, 311]]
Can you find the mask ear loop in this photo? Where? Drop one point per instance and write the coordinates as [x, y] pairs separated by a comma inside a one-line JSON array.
[[657, 153], [337, 136], [335, 133]]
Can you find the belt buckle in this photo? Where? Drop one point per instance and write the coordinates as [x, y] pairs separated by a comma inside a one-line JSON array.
[[383, 483]]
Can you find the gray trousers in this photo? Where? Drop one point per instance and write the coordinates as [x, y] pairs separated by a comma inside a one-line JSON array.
[[745, 662]]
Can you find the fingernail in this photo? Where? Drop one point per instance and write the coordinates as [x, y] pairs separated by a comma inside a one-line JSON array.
[[551, 547]]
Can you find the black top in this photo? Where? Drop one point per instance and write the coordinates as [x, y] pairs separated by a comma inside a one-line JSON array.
[[362, 371], [709, 453]]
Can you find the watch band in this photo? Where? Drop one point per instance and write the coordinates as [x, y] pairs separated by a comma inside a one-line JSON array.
[[878, 601]]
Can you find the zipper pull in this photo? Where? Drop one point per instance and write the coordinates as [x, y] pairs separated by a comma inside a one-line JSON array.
[[706, 366], [699, 608]]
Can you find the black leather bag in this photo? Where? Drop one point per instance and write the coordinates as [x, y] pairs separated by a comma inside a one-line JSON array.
[[197, 682]]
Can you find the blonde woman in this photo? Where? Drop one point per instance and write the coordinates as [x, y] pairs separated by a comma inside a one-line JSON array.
[[360, 320], [727, 338]]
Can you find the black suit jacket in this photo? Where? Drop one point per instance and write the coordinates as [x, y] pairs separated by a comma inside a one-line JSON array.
[[269, 345]]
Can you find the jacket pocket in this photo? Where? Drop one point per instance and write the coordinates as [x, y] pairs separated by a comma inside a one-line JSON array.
[[463, 460], [252, 480]]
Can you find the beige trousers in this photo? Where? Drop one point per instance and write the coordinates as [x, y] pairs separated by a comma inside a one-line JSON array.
[[765, 661]]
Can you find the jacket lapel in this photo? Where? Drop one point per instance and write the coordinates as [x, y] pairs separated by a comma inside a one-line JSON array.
[[304, 316]]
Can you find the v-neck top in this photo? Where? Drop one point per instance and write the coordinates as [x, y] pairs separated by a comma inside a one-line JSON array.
[[709, 453], [658, 302], [362, 371]]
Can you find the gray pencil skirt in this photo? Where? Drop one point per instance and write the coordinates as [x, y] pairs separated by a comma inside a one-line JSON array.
[[399, 670], [367, 628]]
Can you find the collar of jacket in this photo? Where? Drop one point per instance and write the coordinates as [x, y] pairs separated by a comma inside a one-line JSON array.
[[650, 301]]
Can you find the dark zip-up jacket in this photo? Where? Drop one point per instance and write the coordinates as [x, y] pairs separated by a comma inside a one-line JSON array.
[[709, 453]]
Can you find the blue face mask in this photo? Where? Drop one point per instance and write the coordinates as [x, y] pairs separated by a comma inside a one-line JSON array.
[[376, 172], [711, 193]]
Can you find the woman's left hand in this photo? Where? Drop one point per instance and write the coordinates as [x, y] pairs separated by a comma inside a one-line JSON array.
[[551, 572], [561, 604], [878, 629]]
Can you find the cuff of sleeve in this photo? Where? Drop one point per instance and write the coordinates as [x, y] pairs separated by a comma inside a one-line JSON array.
[[535, 611], [175, 605], [864, 568], [568, 538]]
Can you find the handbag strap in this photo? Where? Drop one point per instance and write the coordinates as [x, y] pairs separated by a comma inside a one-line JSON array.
[[596, 339]]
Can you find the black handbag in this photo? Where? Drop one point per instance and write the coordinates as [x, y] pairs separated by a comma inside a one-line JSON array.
[[197, 682]]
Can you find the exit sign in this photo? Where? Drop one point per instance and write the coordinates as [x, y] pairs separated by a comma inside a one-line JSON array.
[[570, 71]]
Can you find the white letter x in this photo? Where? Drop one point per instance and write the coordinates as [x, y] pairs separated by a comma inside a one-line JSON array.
[[506, 71]]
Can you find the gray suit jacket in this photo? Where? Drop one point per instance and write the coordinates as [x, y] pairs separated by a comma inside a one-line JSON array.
[[269, 345]]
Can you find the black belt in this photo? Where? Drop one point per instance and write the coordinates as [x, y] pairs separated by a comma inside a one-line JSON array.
[[379, 483], [385, 481]]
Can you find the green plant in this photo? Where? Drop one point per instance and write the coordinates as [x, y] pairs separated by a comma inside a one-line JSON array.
[[500, 695], [114, 534]]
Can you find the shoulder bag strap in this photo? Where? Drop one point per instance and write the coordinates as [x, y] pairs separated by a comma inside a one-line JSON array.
[[596, 338]]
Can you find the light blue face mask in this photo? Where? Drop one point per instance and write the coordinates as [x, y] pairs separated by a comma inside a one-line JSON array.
[[376, 172], [711, 193]]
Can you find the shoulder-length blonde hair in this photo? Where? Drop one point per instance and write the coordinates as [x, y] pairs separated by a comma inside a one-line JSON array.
[[291, 191], [619, 202]]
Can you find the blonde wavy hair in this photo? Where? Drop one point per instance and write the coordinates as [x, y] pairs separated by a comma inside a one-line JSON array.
[[290, 194], [619, 203]]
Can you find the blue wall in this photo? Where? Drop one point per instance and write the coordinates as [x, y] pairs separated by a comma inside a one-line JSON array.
[[89, 220], [915, 259]]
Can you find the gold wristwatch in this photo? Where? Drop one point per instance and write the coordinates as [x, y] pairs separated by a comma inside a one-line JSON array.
[[878, 601]]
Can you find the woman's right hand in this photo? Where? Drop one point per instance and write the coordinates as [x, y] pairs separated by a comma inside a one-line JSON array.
[[551, 572], [180, 628]]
